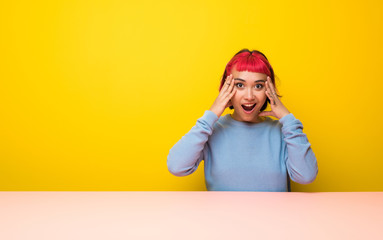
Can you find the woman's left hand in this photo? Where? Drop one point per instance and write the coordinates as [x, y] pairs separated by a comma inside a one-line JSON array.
[[278, 110]]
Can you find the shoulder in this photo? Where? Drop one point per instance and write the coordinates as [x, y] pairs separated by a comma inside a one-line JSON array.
[[272, 123], [222, 122], [274, 126], [289, 121]]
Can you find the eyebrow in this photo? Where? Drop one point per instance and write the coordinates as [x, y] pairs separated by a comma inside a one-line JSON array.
[[245, 80]]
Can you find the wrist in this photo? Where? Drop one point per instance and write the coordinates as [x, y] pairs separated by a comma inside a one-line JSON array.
[[215, 112], [284, 114]]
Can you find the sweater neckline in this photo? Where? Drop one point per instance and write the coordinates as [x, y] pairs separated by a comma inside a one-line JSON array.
[[228, 118]]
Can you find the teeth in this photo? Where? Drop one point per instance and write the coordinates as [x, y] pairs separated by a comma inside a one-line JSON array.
[[248, 105]]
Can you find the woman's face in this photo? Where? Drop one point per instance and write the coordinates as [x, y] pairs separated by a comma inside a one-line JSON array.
[[250, 90]]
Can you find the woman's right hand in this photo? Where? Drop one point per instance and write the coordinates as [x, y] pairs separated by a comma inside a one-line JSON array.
[[224, 96]]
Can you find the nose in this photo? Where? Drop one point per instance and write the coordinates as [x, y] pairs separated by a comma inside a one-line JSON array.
[[249, 96]]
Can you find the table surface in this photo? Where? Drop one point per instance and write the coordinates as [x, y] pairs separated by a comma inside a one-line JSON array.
[[191, 215]]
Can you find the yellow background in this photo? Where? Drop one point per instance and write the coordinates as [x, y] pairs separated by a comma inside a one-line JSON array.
[[93, 94]]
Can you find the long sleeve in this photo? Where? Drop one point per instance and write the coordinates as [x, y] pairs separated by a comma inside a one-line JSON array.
[[300, 160], [185, 156]]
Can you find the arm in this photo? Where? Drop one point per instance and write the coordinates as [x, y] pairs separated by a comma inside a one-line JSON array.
[[300, 160], [185, 156]]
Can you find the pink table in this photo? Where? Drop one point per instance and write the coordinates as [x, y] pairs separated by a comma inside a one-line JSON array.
[[191, 215]]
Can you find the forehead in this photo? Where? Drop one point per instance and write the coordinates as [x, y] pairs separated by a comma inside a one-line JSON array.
[[248, 76]]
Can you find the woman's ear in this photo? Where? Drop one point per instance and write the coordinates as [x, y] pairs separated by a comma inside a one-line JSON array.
[[230, 105]]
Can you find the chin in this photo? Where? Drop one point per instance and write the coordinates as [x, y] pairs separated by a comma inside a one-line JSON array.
[[250, 118]]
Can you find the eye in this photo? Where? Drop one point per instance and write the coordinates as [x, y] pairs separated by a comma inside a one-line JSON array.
[[259, 86], [239, 85]]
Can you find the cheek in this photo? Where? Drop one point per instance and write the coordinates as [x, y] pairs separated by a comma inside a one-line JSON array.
[[261, 95], [236, 98]]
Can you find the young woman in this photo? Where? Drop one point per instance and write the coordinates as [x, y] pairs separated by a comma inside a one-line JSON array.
[[246, 150]]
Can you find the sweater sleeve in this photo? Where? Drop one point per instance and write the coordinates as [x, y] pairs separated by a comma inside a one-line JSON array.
[[185, 156], [300, 160]]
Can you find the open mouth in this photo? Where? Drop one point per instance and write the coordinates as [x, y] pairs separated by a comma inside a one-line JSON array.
[[248, 108]]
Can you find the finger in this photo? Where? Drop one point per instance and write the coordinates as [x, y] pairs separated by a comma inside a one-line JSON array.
[[233, 93], [226, 84], [270, 83], [224, 87], [272, 92], [271, 98], [271, 86], [268, 96], [267, 86], [230, 87], [230, 95]]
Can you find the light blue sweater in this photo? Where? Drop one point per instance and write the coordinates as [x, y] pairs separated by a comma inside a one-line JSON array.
[[241, 156]]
